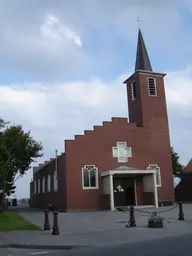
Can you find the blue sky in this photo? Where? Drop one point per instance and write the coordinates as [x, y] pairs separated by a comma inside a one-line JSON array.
[[62, 63]]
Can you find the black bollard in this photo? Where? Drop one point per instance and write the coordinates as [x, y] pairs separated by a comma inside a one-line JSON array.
[[131, 218], [55, 231], [46, 223], [181, 214]]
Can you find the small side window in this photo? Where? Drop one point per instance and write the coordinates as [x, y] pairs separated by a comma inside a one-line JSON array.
[[152, 86]]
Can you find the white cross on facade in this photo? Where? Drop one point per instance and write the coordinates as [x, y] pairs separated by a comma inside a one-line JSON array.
[[122, 152], [119, 188]]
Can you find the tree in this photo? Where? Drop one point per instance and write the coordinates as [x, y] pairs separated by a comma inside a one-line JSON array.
[[17, 151], [177, 167]]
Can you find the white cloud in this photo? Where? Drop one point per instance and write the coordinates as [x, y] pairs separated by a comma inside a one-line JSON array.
[[59, 112], [49, 41], [179, 90], [56, 33]]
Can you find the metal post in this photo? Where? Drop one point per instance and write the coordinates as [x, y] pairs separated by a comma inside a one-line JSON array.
[[131, 218], [181, 214], [55, 231], [46, 223]]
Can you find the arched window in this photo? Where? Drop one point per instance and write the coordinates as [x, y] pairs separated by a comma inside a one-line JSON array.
[[55, 181], [90, 177], [158, 175], [48, 183]]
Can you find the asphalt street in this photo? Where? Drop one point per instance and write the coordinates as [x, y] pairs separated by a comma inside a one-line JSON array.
[[177, 246]]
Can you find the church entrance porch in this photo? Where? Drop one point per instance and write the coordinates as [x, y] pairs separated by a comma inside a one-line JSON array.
[[121, 186]]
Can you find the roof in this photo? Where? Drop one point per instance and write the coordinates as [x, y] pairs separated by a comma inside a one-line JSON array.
[[121, 168], [188, 167], [142, 58]]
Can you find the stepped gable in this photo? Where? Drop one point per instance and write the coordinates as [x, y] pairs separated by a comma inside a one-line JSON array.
[[87, 132], [78, 136], [97, 127], [188, 167], [119, 120], [46, 162]]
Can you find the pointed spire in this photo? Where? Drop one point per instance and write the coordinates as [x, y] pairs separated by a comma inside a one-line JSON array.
[[142, 58]]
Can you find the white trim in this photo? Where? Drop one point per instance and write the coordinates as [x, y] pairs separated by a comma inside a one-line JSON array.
[[132, 96], [128, 171], [112, 205], [158, 172], [135, 190], [142, 72], [154, 85], [96, 177]]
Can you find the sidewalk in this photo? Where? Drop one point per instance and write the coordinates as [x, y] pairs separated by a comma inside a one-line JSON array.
[[96, 228]]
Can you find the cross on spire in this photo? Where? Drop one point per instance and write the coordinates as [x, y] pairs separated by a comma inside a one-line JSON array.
[[138, 21]]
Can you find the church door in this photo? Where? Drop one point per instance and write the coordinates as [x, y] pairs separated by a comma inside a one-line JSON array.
[[124, 193]]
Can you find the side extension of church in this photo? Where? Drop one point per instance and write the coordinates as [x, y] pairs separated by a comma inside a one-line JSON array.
[[126, 161]]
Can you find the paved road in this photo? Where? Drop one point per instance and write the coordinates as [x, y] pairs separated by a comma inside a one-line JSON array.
[[176, 246], [24, 252]]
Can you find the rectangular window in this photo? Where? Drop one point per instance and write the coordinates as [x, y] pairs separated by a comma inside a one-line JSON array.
[[43, 185], [48, 183], [55, 181], [39, 186], [133, 90], [152, 86]]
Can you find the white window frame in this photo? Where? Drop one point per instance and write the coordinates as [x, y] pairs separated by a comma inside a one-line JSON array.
[[96, 177], [122, 158], [154, 84], [39, 186], [157, 169], [132, 95], [48, 183], [43, 185], [55, 181]]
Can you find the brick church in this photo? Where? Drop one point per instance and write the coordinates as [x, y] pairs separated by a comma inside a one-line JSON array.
[[126, 161]]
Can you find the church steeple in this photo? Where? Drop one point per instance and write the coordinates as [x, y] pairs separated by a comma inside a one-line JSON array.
[[142, 58]]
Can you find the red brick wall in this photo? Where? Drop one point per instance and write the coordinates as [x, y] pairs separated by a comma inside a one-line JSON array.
[[150, 145], [148, 198], [58, 199], [96, 149], [151, 112]]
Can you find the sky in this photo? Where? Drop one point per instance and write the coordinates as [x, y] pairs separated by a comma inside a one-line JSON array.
[[63, 63]]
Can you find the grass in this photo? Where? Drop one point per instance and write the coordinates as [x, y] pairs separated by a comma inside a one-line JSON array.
[[10, 221], [187, 202]]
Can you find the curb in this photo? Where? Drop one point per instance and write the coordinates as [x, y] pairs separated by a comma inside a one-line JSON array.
[[46, 247]]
